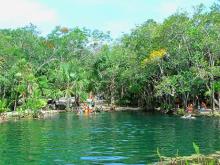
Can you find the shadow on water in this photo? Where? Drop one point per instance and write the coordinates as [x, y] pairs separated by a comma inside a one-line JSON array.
[[105, 138]]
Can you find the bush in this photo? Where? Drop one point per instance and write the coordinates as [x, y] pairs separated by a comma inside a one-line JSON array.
[[180, 111], [165, 107], [3, 106], [34, 104]]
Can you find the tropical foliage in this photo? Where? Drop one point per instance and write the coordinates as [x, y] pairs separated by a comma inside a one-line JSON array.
[[156, 65]]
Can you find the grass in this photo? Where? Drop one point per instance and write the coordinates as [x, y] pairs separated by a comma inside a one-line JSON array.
[[195, 159]]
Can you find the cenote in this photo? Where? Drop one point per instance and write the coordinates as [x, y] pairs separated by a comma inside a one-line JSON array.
[[105, 138]]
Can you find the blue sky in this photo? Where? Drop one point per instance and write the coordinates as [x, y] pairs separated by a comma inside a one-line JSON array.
[[116, 16]]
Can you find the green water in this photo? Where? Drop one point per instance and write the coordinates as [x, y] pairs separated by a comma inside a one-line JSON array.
[[106, 138]]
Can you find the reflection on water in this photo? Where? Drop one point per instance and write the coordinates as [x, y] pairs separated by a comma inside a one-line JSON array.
[[106, 138]]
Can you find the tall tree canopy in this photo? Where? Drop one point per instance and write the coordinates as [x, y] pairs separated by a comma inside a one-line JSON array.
[[156, 65]]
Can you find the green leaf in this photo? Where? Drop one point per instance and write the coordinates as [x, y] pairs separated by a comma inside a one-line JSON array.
[[196, 148]]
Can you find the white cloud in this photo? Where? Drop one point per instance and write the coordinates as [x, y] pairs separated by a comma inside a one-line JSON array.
[[16, 13], [122, 15]]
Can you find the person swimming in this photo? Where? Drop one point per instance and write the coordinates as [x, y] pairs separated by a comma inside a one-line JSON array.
[[189, 109], [203, 107]]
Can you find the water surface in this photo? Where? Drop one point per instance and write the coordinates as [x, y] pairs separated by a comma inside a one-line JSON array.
[[106, 138]]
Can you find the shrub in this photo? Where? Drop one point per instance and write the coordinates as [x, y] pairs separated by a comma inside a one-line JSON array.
[[3, 106]]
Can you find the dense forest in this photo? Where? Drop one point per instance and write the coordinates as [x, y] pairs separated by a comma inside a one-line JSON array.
[[155, 65]]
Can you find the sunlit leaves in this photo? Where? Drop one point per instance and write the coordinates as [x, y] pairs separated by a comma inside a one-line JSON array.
[[155, 55]]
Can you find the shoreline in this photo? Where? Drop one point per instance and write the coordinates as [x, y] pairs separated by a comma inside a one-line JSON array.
[[16, 115], [201, 114], [194, 158], [120, 108], [39, 114]]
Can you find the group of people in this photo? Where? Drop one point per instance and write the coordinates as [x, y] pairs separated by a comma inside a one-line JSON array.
[[201, 108], [87, 107]]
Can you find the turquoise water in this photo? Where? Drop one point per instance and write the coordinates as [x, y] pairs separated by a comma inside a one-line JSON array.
[[106, 138]]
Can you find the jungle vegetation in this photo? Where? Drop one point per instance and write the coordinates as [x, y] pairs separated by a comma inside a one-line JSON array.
[[155, 65]]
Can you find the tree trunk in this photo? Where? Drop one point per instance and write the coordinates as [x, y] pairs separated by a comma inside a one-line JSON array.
[[219, 101], [211, 64], [4, 92], [212, 95], [112, 91], [122, 91], [15, 105], [185, 100]]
